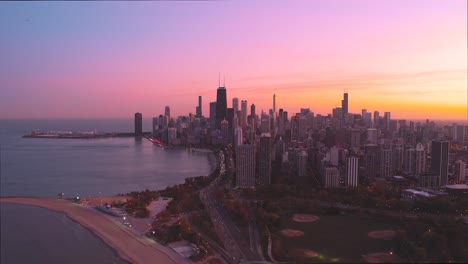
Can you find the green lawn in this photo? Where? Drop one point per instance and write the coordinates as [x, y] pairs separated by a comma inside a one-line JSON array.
[[337, 238]]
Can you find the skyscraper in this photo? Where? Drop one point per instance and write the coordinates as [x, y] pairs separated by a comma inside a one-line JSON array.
[[385, 162], [245, 166], [352, 169], [420, 160], [344, 104], [264, 164], [439, 160], [221, 106], [167, 112], [138, 124], [243, 119], [370, 161], [235, 104], [199, 108], [460, 171], [213, 115], [274, 107]]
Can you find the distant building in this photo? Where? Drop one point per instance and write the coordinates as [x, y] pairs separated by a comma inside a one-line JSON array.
[[245, 166], [138, 124], [385, 162], [439, 160], [420, 159], [352, 169], [344, 104], [264, 164], [370, 161], [213, 115], [167, 112], [155, 125], [243, 119], [172, 135], [199, 108], [235, 104], [302, 164]]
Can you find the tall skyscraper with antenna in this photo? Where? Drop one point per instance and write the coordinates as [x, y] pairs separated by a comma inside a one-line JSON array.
[[221, 105]]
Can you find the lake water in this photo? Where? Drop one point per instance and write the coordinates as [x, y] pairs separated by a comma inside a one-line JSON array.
[[77, 167]]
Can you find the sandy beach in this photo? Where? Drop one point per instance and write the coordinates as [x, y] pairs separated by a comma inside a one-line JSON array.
[[129, 246]]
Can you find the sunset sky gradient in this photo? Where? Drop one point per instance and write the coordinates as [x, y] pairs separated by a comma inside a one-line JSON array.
[[112, 59]]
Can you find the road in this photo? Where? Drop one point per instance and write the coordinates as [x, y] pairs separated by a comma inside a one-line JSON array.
[[235, 244]]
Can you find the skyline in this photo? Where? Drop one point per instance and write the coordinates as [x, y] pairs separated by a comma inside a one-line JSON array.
[[112, 59]]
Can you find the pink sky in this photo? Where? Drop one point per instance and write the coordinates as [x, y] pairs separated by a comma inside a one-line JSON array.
[[112, 59]]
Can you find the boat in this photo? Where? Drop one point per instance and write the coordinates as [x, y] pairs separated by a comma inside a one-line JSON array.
[[155, 141], [109, 209]]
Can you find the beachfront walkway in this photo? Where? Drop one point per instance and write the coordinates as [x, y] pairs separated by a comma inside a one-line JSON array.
[[133, 248]]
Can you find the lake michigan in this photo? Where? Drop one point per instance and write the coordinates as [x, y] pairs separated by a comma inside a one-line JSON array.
[[79, 167]]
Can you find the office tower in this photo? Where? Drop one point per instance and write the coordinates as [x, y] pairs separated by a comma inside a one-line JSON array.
[[344, 104], [352, 169], [155, 125], [281, 123], [302, 164], [385, 162], [420, 159], [235, 104], [243, 119], [332, 155], [213, 115], [245, 166], [387, 120], [221, 106], [370, 161], [364, 112], [264, 163], [138, 124], [199, 108], [410, 161], [372, 136], [460, 171], [376, 119], [167, 112], [337, 112], [439, 160]]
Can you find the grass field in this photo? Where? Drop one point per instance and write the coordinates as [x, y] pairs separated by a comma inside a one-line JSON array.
[[336, 238]]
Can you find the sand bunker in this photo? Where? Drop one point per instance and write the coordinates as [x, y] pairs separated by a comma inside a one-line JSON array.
[[380, 257], [305, 218], [304, 253], [291, 233], [382, 234]]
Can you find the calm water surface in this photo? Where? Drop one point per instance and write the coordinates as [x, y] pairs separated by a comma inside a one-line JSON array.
[[77, 167], [88, 167]]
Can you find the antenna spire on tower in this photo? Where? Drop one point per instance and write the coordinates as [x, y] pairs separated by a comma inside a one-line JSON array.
[[224, 80], [219, 79]]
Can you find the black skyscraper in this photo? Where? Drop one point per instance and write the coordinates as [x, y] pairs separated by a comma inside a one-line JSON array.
[[138, 124], [221, 106], [344, 104]]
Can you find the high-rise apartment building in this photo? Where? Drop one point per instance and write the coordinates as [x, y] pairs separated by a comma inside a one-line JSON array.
[[370, 161], [243, 119], [352, 169], [245, 166], [302, 163], [386, 162], [331, 177], [264, 160], [460, 171], [439, 160], [420, 159], [138, 124]]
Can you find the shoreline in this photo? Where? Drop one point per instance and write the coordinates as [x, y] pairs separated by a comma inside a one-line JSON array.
[[128, 246]]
